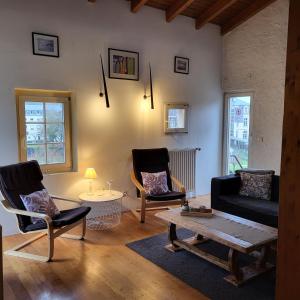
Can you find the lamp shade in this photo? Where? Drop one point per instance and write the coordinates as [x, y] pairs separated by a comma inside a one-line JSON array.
[[90, 173]]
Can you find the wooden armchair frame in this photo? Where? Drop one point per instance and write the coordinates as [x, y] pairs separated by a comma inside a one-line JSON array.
[[50, 231], [154, 205]]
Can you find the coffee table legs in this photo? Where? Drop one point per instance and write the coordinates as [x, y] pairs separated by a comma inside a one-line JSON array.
[[240, 275], [237, 275], [174, 247]]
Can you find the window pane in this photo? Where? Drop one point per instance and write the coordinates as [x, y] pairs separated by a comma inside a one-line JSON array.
[[239, 116], [54, 112], [34, 112], [55, 153], [55, 133], [37, 152], [176, 118], [35, 133]]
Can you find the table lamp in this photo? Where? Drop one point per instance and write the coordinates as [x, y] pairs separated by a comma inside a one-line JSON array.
[[90, 174]]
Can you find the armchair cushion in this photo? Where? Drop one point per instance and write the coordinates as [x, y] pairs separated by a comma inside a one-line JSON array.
[[166, 197], [40, 202], [66, 217], [258, 210], [155, 183]]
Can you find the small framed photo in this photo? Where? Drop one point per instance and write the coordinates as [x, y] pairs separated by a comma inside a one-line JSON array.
[[45, 44], [123, 64], [181, 65]]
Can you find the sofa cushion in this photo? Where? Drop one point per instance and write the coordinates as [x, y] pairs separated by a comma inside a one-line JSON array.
[[255, 185], [255, 171], [258, 210]]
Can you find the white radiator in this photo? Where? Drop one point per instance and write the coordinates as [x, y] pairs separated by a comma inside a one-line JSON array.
[[183, 167]]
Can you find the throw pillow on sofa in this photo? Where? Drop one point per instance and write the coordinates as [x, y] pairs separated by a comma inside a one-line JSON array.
[[255, 171], [256, 185], [40, 202]]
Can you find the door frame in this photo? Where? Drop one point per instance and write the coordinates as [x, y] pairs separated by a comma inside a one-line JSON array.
[[228, 95]]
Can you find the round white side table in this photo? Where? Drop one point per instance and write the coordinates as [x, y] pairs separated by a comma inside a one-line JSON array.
[[106, 209]]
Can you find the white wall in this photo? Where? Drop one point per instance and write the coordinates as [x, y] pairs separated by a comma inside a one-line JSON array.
[[254, 57], [103, 138]]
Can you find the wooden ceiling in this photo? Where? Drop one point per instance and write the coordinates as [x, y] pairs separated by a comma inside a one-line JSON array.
[[226, 13]]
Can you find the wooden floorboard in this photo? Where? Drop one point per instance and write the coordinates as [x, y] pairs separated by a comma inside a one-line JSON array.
[[101, 267]]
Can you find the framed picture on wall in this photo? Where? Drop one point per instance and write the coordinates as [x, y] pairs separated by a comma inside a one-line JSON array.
[[123, 64], [181, 65], [45, 44]]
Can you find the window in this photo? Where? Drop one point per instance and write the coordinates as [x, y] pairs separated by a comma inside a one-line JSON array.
[[44, 125], [237, 131]]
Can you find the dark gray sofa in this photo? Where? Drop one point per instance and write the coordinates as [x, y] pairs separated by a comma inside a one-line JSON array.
[[225, 197]]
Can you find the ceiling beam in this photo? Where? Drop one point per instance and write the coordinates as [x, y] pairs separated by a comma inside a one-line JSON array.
[[137, 4], [177, 8], [213, 11], [248, 12]]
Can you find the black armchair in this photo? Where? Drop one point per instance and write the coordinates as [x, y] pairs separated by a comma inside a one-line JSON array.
[[26, 178], [154, 160]]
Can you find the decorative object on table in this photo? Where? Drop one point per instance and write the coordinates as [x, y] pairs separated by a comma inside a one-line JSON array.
[[151, 89], [176, 118], [109, 183], [201, 211], [123, 64], [181, 65], [90, 174], [104, 84], [185, 206], [26, 178], [106, 209], [151, 161], [45, 44]]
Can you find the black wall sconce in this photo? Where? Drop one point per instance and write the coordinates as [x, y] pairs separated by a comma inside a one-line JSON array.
[[104, 84], [151, 90]]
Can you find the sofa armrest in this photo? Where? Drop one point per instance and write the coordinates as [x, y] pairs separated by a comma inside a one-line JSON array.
[[224, 185], [275, 188]]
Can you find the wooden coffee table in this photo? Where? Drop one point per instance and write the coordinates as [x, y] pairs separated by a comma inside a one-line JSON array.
[[239, 234]]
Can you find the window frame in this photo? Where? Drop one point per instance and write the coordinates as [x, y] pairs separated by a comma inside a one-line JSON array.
[[45, 97]]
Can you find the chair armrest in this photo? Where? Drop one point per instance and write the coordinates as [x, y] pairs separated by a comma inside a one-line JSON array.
[[137, 184], [64, 199], [179, 185], [12, 210]]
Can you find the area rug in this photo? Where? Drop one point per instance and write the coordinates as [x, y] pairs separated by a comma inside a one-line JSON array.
[[202, 275]]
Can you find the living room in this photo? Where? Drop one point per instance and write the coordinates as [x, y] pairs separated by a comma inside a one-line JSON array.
[[239, 50]]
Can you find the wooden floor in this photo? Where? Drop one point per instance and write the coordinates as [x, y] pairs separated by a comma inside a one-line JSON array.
[[101, 267]]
